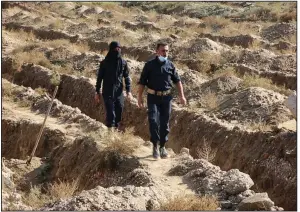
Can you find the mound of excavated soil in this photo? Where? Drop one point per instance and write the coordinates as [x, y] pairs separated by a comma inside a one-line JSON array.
[[223, 84], [201, 45], [278, 31], [267, 60], [254, 105]]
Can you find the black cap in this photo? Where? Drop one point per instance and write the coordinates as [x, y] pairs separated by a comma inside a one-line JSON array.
[[114, 44]]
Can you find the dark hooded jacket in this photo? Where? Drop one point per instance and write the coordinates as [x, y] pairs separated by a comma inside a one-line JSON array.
[[112, 70]]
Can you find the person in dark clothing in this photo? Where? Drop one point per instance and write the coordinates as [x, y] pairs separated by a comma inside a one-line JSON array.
[[112, 70], [158, 75]]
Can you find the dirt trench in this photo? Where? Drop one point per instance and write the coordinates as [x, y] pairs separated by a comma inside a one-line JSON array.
[[68, 152], [141, 54], [268, 157]]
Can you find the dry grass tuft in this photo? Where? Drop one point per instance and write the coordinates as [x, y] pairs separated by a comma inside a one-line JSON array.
[[55, 79], [205, 152], [81, 47], [256, 44], [227, 72], [56, 43], [207, 61], [35, 57], [62, 189], [35, 198], [58, 190], [216, 23], [7, 89], [289, 16], [27, 36], [40, 90], [210, 100], [190, 203], [57, 24], [256, 81], [260, 126], [124, 143]]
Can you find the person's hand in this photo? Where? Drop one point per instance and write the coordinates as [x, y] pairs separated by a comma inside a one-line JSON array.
[[97, 98], [140, 102], [129, 96], [182, 100]]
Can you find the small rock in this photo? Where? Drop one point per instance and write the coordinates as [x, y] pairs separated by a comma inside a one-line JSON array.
[[174, 36], [226, 204], [151, 205], [259, 201], [185, 151], [236, 182], [118, 190]]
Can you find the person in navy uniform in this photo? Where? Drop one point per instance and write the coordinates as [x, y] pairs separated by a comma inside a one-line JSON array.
[[158, 75], [112, 70]]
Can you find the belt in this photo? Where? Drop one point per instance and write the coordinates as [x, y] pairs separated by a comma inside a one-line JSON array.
[[159, 93]]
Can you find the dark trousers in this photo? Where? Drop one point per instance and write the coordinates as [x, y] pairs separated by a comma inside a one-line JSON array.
[[114, 109], [159, 110]]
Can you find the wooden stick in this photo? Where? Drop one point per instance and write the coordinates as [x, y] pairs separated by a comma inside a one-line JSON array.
[[42, 128]]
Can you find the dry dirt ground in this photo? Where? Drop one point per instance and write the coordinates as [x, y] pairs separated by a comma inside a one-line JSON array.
[[237, 62]]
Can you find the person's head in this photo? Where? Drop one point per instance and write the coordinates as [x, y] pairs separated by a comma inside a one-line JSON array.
[[115, 46], [162, 49]]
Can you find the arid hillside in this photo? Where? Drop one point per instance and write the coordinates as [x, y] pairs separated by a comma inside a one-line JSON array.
[[233, 145]]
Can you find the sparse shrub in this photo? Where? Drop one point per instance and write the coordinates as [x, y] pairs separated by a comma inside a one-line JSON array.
[[227, 72], [82, 47], [124, 143], [210, 100], [57, 24], [63, 69], [216, 23], [7, 89], [58, 190], [34, 57], [57, 43], [256, 44], [189, 202], [61, 189], [205, 152], [263, 14], [29, 36], [256, 81], [40, 90], [288, 17], [260, 125], [35, 198], [25, 103], [208, 61], [55, 79]]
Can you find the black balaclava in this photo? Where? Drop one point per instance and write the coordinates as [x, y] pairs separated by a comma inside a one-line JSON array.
[[112, 53]]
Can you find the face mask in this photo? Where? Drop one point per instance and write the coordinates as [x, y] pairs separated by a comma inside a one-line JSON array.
[[162, 59]]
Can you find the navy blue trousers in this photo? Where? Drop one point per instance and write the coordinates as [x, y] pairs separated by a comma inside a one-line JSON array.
[[114, 108], [159, 110]]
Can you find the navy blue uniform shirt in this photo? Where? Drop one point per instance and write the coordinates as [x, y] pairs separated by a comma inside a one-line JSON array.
[[159, 76]]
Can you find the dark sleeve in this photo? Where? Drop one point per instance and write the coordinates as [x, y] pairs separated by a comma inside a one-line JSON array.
[[144, 75], [175, 76], [126, 77], [100, 77]]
